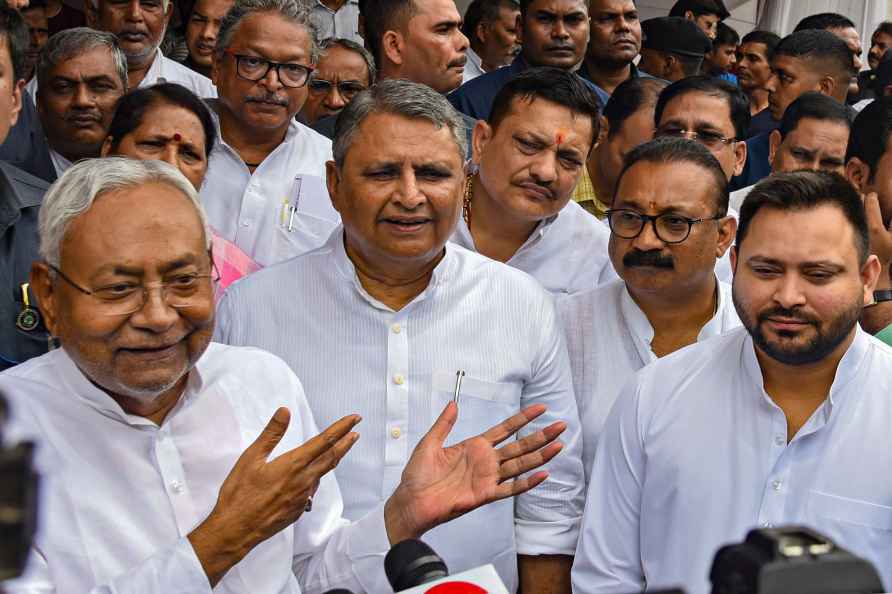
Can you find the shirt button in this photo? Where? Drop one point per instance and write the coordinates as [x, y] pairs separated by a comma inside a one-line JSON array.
[[776, 485], [767, 524], [398, 379], [396, 328], [395, 433], [246, 224], [177, 486], [780, 440]]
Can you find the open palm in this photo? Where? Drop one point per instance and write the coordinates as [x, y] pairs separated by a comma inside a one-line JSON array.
[[440, 483]]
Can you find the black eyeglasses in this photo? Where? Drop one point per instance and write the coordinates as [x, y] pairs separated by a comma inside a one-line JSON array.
[[669, 228], [711, 140], [255, 68], [346, 88]]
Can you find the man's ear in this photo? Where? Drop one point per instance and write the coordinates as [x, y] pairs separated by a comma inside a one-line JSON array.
[[480, 33], [480, 137], [333, 182], [393, 46], [91, 12], [106, 147], [827, 86], [774, 142], [18, 92], [727, 232], [518, 26], [858, 174], [603, 131], [689, 14], [870, 274], [733, 257], [739, 157], [47, 299], [887, 90], [669, 65]]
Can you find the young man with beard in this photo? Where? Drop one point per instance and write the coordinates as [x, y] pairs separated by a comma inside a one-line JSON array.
[[784, 421]]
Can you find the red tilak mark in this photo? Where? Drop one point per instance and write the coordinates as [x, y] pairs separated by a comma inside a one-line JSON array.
[[177, 137], [560, 137]]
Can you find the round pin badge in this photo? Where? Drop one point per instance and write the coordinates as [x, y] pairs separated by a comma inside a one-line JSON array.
[[28, 319]]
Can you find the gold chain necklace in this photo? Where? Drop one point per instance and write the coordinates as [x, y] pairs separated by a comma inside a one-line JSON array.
[[466, 205]]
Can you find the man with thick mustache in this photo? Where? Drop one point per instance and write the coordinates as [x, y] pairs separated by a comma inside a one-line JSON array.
[[784, 421], [529, 156], [669, 225], [265, 185], [390, 320], [81, 75]]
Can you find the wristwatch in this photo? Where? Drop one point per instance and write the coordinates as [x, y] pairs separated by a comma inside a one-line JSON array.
[[882, 295]]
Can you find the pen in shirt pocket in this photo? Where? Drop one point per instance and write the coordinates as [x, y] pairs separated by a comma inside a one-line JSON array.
[[459, 375]]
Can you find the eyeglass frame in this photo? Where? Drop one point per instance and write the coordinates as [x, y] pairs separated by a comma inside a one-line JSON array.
[[652, 219], [331, 85], [269, 66], [697, 137], [214, 275]]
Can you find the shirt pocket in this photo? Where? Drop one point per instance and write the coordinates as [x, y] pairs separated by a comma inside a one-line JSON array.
[[850, 511], [481, 403]]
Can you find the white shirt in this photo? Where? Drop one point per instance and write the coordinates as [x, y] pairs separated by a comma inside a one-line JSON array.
[[473, 67], [398, 370], [163, 69], [736, 198], [60, 163], [254, 210], [120, 494], [695, 454], [340, 24], [609, 338], [566, 253]]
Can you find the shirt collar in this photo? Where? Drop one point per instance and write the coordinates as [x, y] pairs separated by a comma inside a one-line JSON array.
[[466, 240], [155, 71], [643, 332], [214, 104], [344, 266], [60, 163], [849, 366], [474, 59], [96, 398]]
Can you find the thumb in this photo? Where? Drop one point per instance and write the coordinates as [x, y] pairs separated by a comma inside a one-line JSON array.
[[271, 435], [439, 431]]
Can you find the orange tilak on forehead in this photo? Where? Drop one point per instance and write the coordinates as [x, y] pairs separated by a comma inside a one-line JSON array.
[[560, 137]]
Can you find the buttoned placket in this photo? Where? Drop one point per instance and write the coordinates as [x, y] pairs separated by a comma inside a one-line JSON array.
[[784, 456], [396, 449]]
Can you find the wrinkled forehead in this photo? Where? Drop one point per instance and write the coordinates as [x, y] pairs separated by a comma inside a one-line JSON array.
[[385, 137], [696, 108]]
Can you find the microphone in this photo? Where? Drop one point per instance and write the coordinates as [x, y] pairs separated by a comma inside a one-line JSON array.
[[412, 563], [412, 567]]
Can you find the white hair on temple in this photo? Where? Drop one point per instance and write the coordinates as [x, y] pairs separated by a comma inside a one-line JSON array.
[[74, 193]]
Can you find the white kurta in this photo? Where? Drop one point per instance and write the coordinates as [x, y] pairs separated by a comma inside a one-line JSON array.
[[254, 211], [398, 370], [566, 253], [609, 337], [695, 454], [120, 494]]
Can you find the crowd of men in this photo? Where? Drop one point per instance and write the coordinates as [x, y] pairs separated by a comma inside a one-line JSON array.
[[595, 295]]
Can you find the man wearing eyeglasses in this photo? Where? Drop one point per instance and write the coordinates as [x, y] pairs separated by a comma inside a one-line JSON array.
[[172, 464], [716, 114], [669, 224], [265, 185], [345, 69]]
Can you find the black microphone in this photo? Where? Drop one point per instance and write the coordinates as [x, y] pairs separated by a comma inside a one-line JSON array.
[[411, 563]]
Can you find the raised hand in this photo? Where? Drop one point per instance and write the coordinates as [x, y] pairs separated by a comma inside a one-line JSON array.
[[440, 484], [261, 497]]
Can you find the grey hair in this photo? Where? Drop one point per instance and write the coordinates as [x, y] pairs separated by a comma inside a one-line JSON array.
[[349, 44], [73, 194], [164, 4], [71, 43], [399, 97], [295, 11]]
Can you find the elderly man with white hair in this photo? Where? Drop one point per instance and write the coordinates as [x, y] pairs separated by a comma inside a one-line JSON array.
[[173, 464], [139, 26]]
